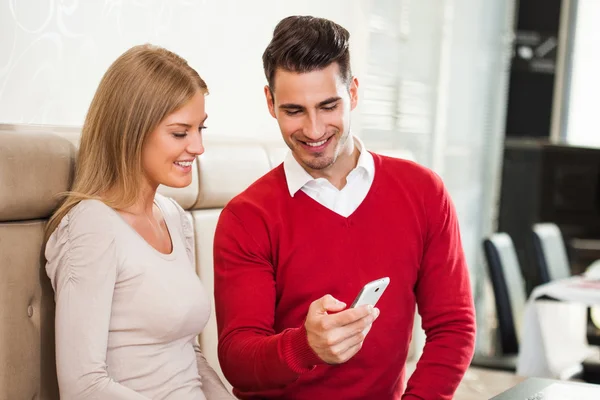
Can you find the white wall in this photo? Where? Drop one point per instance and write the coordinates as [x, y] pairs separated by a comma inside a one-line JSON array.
[[469, 136], [438, 74], [53, 53], [582, 115]]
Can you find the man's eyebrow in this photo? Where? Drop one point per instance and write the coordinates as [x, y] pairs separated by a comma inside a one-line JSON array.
[[328, 101], [320, 104], [291, 106]]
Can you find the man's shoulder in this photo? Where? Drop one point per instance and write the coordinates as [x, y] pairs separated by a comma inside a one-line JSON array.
[[406, 172], [262, 194]]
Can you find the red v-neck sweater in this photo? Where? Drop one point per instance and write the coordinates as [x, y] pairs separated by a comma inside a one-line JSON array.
[[275, 254]]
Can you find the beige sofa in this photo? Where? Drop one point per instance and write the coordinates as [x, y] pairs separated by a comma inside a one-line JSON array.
[[37, 163], [33, 168]]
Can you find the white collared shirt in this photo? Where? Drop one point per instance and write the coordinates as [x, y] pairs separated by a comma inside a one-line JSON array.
[[343, 202]]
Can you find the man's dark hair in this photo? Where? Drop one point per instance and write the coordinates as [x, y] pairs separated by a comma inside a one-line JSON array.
[[305, 44]]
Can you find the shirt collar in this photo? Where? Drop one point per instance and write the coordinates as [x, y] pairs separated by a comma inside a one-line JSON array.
[[297, 177]]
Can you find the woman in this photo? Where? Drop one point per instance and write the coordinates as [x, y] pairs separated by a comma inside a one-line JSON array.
[[129, 306]]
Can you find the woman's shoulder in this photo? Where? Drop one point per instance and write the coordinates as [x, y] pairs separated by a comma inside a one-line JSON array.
[[87, 228], [170, 209], [174, 212], [88, 217], [91, 215]]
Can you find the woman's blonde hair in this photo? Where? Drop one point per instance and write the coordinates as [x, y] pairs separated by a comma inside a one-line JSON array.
[[142, 87]]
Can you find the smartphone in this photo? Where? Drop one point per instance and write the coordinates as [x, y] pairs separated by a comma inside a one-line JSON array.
[[371, 292]]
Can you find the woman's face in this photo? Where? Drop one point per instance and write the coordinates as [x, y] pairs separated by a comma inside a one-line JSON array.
[[171, 149]]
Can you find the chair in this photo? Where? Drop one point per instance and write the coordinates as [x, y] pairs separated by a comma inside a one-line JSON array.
[[510, 298], [550, 254], [593, 326], [552, 263]]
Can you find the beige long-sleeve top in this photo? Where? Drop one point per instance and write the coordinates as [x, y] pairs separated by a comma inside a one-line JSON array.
[[127, 315]]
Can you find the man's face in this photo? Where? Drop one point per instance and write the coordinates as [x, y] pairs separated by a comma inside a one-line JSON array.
[[313, 113]]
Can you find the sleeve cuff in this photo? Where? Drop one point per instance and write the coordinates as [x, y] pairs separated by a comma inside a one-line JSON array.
[[296, 352]]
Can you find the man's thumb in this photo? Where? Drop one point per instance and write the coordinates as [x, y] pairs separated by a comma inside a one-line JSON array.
[[331, 304]]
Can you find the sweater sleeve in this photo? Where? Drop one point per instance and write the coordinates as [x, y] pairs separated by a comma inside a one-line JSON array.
[[253, 357], [82, 267], [445, 303]]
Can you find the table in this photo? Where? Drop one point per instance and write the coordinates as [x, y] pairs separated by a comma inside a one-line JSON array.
[[548, 389], [553, 338]]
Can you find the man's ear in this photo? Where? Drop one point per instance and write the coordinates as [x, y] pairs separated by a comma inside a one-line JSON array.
[[353, 93], [270, 100]]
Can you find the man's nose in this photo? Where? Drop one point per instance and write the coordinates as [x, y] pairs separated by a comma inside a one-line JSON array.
[[313, 128]]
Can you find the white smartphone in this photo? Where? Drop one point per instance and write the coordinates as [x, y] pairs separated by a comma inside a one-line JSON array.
[[371, 292]]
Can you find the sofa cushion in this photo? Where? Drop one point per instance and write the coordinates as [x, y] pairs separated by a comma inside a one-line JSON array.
[[226, 169], [26, 315], [276, 153], [35, 167], [205, 223]]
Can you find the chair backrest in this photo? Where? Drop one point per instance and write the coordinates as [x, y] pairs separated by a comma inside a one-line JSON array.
[[509, 289], [549, 253]]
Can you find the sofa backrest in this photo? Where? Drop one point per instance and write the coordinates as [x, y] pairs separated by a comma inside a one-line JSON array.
[[224, 171], [37, 163], [34, 168]]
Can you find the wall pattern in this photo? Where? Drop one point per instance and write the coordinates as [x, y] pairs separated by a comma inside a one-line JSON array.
[[54, 52]]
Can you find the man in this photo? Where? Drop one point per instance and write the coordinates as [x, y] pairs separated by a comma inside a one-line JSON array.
[[295, 248]]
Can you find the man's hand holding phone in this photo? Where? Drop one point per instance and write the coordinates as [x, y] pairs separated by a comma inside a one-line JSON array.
[[337, 337]]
